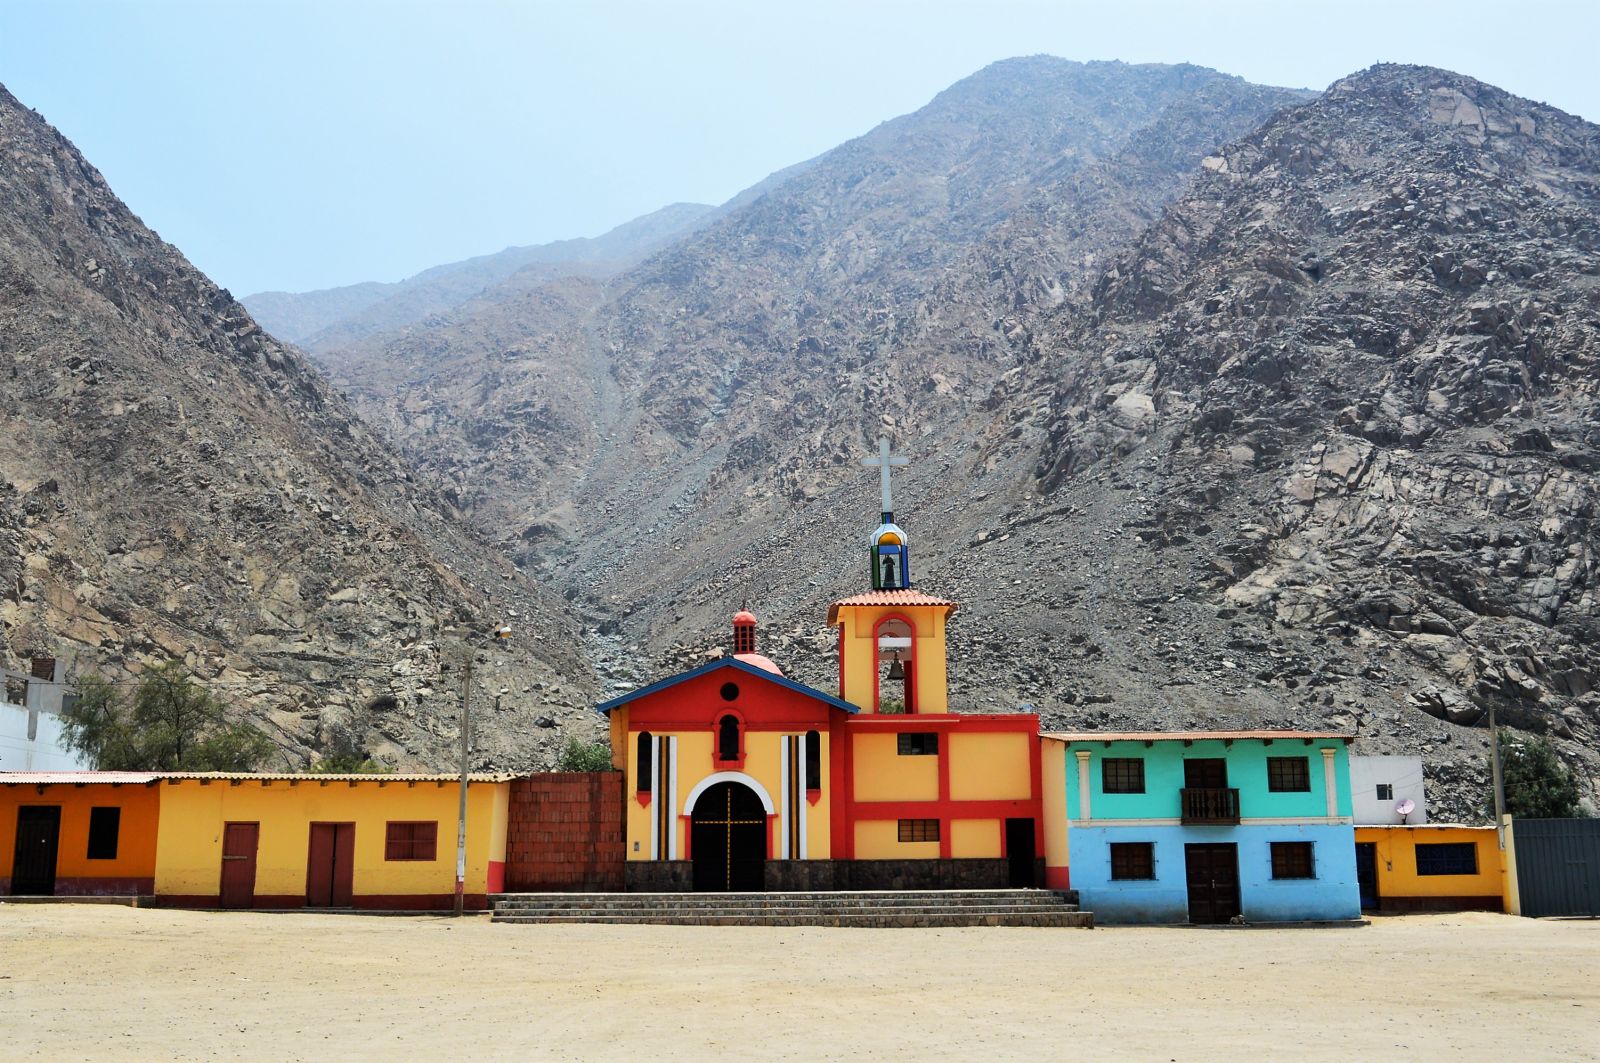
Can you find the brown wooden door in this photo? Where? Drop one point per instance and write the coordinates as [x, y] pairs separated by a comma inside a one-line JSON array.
[[330, 865], [1213, 878], [1205, 773], [33, 861], [239, 844]]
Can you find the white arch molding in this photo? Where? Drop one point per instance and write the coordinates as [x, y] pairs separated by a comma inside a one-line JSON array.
[[727, 776]]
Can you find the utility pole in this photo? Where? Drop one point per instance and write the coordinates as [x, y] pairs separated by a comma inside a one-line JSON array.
[[1499, 780], [461, 811]]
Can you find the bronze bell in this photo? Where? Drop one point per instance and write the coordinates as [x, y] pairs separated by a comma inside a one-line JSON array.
[[895, 670]]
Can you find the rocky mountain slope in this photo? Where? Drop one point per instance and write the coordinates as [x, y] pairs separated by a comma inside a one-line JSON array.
[[176, 484], [1227, 406], [335, 317]]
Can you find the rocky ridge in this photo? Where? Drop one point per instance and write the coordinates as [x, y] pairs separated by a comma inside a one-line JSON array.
[[177, 484]]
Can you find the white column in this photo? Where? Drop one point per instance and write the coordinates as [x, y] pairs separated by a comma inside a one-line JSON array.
[[1083, 785], [805, 802], [1330, 779], [671, 797], [655, 797], [783, 798]]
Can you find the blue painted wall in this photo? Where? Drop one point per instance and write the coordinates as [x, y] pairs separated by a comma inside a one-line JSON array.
[[1333, 894]]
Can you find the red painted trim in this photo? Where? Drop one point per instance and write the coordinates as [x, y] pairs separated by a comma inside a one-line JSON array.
[[1016, 809], [419, 902], [944, 802], [985, 724], [1035, 787], [1057, 878], [496, 878], [841, 662], [838, 743], [661, 727], [848, 804], [716, 740], [772, 835], [101, 886]]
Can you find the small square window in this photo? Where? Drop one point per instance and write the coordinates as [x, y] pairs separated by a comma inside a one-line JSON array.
[[1292, 860], [105, 824], [1290, 775], [1122, 775], [919, 830], [917, 744], [1385, 791], [411, 841], [1133, 860]]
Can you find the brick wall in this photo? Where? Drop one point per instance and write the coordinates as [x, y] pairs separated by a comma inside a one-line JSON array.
[[564, 833]]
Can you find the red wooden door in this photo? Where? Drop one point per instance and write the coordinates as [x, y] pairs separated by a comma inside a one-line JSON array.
[[239, 864], [330, 865]]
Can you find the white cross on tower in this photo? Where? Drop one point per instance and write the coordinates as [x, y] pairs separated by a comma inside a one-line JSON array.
[[884, 460]]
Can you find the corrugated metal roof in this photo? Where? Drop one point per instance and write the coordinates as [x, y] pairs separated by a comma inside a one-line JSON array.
[[1187, 736], [312, 776], [83, 778], [898, 597], [76, 778]]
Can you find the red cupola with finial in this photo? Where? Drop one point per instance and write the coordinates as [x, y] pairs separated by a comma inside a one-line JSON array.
[[744, 642]]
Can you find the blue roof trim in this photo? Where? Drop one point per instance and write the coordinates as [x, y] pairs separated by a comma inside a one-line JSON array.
[[726, 662]]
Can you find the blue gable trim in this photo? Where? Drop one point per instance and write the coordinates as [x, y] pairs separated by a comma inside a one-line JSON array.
[[727, 662]]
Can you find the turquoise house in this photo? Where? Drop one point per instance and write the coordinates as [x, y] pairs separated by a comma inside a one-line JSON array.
[[1208, 826]]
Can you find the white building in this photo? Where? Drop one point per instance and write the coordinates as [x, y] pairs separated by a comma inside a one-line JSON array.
[[30, 719], [1380, 786]]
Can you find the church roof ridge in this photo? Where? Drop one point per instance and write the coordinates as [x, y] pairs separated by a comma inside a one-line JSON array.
[[605, 707]]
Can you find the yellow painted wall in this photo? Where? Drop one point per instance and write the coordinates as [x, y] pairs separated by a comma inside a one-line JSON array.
[[879, 839], [1397, 862], [1053, 778], [763, 762], [881, 774], [975, 838], [928, 656], [136, 830], [991, 767], [189, 841]]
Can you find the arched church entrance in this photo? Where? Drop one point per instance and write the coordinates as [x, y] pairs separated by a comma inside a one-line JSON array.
[[728, 839]]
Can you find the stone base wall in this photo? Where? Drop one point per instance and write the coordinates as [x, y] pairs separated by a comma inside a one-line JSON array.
[[564, 833], [805, 876]]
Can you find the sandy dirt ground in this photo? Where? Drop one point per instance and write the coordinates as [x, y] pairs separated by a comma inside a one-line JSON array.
[[93, 982]]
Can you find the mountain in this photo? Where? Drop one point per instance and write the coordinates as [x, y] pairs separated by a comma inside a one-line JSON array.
[[177, 484], [1227, 405], [334, 317]]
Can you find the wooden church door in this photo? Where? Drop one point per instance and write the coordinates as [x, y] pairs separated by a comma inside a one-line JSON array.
[[728, 839]]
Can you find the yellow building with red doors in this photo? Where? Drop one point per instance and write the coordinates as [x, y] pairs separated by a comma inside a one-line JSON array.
[[739, 778]]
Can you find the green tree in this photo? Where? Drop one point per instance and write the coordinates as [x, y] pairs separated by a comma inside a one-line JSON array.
[[584, 756], [1538, 785], [170, 723]]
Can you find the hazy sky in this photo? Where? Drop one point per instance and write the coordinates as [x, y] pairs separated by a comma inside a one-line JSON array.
[[300, 144]]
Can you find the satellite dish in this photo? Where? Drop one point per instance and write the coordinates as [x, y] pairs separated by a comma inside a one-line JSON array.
[[1405, 807]]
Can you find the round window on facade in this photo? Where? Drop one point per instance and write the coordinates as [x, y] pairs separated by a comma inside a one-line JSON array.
[[730, 691]]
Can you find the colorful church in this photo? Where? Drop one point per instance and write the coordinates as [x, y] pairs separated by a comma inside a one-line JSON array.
[[739, 778]]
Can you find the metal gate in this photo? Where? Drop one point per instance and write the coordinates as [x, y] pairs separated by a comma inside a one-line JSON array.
[[1558, 866]]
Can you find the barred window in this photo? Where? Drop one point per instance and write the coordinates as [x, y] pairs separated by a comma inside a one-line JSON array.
[[411, 841], [1133, 860], [1289, 775], [1292, 860], [918, 744], [1122, 775], [1449, 858], [919, 830]]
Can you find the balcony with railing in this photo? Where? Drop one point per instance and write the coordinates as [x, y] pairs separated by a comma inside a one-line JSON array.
[[1210, 806]]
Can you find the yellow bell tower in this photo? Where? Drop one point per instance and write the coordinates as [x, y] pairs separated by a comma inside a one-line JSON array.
[[891, 639]]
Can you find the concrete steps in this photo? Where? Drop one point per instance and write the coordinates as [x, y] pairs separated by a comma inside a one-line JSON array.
[[896, 908]]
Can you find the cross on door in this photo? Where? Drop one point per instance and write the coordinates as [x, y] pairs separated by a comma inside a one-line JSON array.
[[727, 823]]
